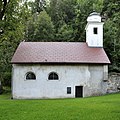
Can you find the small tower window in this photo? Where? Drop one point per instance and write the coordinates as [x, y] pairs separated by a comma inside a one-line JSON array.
[[30, 76], [95, 30], [53, 76]]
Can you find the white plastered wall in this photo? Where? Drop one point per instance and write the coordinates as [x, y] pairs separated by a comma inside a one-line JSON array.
[[89, 76], [94, 40]]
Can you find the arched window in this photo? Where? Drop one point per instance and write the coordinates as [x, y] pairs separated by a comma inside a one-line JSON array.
[[53, 76], [30, 76]]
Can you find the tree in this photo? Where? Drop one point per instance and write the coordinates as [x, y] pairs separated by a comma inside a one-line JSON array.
[[72, 13], [3, 6], [65, 33], [63, 15], [12, 25], [112, 37], [37, 6], [40, 28], [83, 9]]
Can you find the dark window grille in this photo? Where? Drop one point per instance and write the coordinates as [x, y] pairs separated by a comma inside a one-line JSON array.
[[68, 90], [53, 76], [30, 76]]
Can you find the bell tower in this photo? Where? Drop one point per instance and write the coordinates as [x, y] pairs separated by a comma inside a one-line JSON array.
[[94, 30]]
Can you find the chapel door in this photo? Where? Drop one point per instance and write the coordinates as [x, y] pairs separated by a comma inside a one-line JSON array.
[[78, 91]]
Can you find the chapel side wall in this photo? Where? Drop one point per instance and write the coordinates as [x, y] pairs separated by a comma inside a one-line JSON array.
[[88, 76], [96, 85]]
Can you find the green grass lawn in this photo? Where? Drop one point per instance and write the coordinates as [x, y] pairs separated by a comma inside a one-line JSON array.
[[94, 108]]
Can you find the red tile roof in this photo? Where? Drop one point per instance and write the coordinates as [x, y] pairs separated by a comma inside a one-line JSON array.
[[58, 52]]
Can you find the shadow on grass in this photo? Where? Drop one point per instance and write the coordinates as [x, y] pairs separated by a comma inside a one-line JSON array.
[[6, 93]]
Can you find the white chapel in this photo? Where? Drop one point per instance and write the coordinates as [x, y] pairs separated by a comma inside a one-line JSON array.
[[43, 70]]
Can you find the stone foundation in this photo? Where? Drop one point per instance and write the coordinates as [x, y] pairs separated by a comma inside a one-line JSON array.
[[113, 83]]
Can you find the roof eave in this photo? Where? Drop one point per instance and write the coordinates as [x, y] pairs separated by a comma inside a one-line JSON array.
[[60, 63]]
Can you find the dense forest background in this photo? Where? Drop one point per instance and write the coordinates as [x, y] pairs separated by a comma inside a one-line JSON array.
[[55, 20]]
